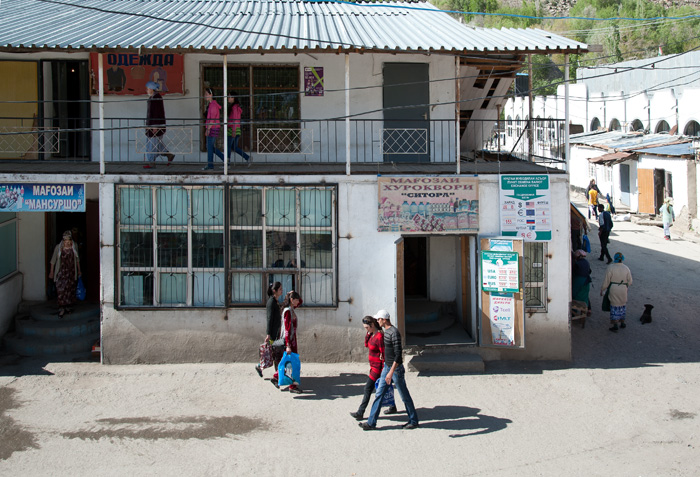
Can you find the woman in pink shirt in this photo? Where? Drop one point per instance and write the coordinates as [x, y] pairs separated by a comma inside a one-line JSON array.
[[213, 126]]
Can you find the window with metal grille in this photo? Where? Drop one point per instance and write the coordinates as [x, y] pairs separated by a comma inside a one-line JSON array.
[[173, 242], [269, 96], [535, 265]]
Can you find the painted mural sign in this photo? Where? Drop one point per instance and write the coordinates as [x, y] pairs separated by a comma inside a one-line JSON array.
[[525, 203], [127, 73], [29, 197], [502, 318], [500, 271], [313, 81], [428, 204]]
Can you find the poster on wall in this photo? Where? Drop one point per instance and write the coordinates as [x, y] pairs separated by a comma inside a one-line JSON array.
[[33, 197], [313, 81], [428, 204], [127, 73], [525, 205], [502, 318], [500, 271]]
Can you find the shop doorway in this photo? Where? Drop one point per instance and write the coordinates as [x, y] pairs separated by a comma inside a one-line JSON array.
[[85, 229], [434, 290]]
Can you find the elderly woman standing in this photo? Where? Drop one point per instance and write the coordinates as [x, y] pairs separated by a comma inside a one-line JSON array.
[[65, 270], [618, 277]]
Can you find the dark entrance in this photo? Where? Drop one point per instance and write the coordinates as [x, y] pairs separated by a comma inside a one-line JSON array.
[[406, 112], [416, 267]]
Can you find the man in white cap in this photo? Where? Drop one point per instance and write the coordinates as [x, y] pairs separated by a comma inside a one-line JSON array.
[[393, 372], [155, 126]]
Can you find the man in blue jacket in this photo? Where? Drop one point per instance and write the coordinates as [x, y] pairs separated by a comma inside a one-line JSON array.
[[605, 225]]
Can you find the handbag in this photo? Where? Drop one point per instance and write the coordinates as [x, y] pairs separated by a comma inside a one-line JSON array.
[[265, 355], [278, 345], [80, 291], [388, 398], [606, 300], [289, 370]]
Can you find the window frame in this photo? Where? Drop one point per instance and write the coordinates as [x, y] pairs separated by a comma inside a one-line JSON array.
[[540, 284]]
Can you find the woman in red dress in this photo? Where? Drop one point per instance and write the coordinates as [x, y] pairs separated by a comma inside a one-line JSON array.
[[289, 330]]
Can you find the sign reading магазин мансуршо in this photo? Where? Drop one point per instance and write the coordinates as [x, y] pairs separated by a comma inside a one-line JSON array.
[[428, 204], [32, 197], [525, 203]]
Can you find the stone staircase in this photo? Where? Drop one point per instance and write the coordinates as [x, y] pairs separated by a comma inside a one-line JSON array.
[[40, 332]]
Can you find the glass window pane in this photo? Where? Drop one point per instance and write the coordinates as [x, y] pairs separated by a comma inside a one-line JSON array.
[[317, 250], [318, 288], [287, 280], [280, 208], [173, 289], [137, 288], [7, 216], [208, 207], [8, 257], [172, 249], [209, 289], [172, 206], [246, 287], [281, 249], [246, 207], [246, 249], [135, 206], [208, 249], [136, 249], [316, 208]]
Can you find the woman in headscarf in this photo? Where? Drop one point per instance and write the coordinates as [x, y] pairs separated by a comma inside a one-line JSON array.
[[65, 270], [618, 277], [581, 278]]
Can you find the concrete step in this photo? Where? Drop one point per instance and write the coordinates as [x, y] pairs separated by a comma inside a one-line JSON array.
[[452, 363], [33, 346], [49, 311], [68, 327]]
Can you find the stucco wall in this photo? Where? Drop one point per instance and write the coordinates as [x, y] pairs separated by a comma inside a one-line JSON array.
[[33, 261]]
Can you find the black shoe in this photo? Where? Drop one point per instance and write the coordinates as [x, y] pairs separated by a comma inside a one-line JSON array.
[[609, 261], [357, 416], [274, 383], [366, 427], [410, 425], [601, 258], [391, 410], [613, 328], [257, 368], [623, 325]]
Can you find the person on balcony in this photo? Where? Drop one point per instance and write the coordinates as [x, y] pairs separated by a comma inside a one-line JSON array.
[[213, 126], [155, 127], [235, 111]]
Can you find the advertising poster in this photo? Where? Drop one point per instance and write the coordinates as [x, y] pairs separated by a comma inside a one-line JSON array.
[[525, 204], [313, 80], [428, 204], [42, 197], [502, 318], [127, 73], [500, 272]]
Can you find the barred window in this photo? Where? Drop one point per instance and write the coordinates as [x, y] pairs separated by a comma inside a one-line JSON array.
[[173, 243], [534, 260]]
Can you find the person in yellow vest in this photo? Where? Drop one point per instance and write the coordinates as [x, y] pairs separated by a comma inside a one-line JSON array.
[[592, 199]]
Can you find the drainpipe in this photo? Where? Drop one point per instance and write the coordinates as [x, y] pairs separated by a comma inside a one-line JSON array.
[[101, 109], [566, 112], [605, 111], [225, 105], [347, 114]]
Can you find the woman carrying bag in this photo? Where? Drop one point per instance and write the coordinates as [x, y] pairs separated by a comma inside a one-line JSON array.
[[289, 330], [274, 319], [65, 271]]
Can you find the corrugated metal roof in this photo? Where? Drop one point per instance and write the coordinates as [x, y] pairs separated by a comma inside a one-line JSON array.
[[661, 144], [264, 25], [676, 150]]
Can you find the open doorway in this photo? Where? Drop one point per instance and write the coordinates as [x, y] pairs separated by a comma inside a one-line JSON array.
[[434, 290]]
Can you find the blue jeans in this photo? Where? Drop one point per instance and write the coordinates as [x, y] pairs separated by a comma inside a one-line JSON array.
[[155, 148], [233, 146], [211, 150], [399, 380]]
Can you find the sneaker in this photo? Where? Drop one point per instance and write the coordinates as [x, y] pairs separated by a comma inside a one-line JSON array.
[[391, 410], [274, 383], [149, 166], [366, 427], [170, 157], [205, 168], [357, 416], [623, 325], [613, 328], [410, 425], [257, 368]]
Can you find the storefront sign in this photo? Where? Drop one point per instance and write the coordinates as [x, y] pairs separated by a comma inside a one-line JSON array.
[[525, 207], [502, 318], [428, 204], [313, 80], [42, 197], [500, 272], [128, 73]]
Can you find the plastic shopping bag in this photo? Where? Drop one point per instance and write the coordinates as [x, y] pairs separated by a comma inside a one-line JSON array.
[[586, 244], [289, 370], [265, 355], [388, 399], [80, 290]]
